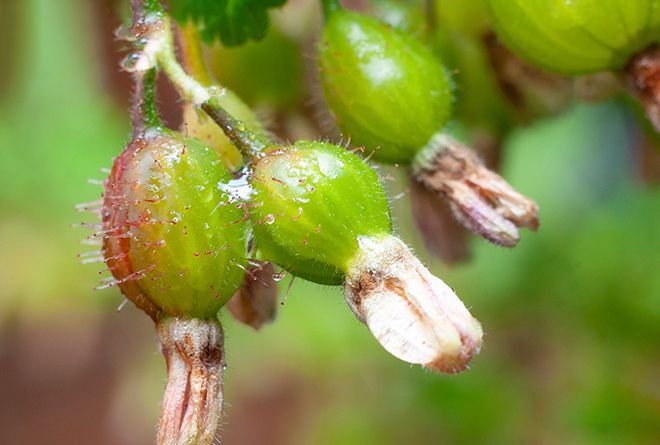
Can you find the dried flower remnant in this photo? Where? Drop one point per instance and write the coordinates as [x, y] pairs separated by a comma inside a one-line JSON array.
[[443, 235], [480, 198], [413, 314], [192, 404], [255, 303], [643, 77]]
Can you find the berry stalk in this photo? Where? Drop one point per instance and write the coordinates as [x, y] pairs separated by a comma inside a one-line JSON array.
[[162, 43], [144, 111], [159, 50], [192, 53], [249, 143]]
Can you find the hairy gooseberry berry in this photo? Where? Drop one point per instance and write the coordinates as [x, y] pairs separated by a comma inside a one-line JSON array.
[[173, 239], [320, 212], [311, 202]]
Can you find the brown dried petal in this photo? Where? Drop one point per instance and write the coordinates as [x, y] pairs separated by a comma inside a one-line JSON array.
[[480, 198], [414, 315], [643, 77], [442, 234], [255, 303], [192, 404]]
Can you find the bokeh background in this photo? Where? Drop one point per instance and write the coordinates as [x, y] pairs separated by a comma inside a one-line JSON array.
[[572, 315]]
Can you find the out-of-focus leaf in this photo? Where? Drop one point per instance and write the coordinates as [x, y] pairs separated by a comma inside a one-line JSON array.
[[232, 21]]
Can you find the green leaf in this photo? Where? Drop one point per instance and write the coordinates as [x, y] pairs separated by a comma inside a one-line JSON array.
[[232, 21]]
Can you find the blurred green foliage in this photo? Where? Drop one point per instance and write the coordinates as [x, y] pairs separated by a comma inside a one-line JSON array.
[[572, 315]]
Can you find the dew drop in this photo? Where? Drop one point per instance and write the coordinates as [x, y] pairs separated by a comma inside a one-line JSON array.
[[130, 62], [279, 276], [269, 219]]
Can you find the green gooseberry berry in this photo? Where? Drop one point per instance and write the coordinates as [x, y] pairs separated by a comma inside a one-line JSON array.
[[311, 201], [173, 238], [579, 36], [386, 90]]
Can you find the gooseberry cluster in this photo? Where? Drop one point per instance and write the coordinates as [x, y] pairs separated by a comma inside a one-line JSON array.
[[197, 222]]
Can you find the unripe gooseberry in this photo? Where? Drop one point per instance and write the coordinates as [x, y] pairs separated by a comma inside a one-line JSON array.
[[320, 212], [389, 93], [386, 90], [173, 239], [311, 202], [577, 37]]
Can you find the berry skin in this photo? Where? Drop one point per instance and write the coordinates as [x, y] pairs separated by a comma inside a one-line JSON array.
[[173, 239], [386, 90], [311, 202], [577, 37]]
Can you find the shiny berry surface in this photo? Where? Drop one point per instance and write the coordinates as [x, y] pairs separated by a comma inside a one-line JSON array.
[[310, 204], [174, 240], [386, 90], [577, 36]]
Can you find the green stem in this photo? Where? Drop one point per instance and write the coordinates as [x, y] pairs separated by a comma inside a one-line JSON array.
[[192, 54], [249, 143], [191, 90], [329, 7], [145, 112]]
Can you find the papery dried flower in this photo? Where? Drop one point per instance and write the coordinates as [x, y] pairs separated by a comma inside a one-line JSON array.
[[480, 198], [192, 404], [442, 234], [255, 303], [413, 314], [643, 76]]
